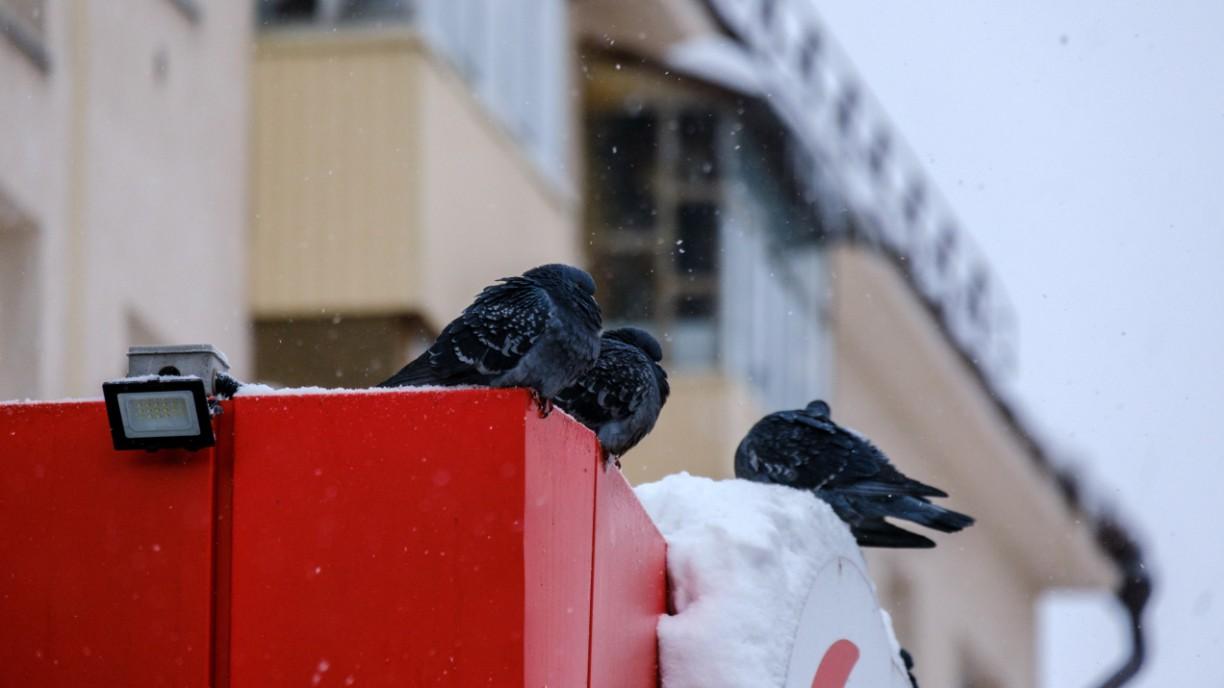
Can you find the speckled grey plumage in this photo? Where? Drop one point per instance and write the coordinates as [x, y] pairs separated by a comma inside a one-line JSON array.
[[621, 396], [805, 449], [539, 330]]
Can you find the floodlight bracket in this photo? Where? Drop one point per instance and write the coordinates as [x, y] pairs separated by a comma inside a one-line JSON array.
[[200, 360]]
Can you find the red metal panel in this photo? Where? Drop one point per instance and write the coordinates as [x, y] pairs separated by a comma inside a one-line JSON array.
[[364, 539], [223, 508], [560, 512], [397, 539], [105, 557], [629, 591]]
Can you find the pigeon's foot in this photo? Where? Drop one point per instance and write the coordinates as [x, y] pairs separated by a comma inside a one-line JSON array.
[[544, 404], [610, 459]]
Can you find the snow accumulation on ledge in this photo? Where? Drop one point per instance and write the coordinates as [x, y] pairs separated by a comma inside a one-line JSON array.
[[742, 558], [255, 389], [33, 402], [261, 390]]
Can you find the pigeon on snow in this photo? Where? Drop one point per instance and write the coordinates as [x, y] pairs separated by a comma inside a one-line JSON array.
[[539, 330], [620, 397], [805, 449]]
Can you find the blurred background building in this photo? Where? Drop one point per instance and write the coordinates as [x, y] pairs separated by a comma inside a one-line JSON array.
[[123, 168], [716, 164]]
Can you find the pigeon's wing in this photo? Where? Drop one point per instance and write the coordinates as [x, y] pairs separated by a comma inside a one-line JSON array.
[[613, 389], [805, 451], [486, 340], [493, 333], [416, 374], [779, 449], [791, 448], [867, 471]]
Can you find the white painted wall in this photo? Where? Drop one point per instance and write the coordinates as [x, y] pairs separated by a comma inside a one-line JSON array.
[[127, 159]]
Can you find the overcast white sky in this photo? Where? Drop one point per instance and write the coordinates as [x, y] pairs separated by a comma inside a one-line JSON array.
[[1082, 143]]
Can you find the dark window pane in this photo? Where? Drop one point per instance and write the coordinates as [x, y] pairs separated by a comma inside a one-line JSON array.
[[622, 180], [698, 157], [695, 306], [694, 343], [363, 10], [626, 286], [697, 234], [284, 11]]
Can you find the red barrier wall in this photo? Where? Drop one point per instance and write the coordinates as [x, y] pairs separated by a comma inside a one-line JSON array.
[[105, 559], [411, 538]]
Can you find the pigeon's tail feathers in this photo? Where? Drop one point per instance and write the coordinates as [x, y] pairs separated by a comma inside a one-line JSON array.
[[416, 374], [926, 514], [880, 533], [910, 488], [921, 489], [949, 521]]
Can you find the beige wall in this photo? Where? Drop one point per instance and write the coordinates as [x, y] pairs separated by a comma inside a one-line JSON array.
[[335, 151], [972, 598], [35, 109], [128, 158], [336, 351], [381, 184], [703, 422], [488, 211]]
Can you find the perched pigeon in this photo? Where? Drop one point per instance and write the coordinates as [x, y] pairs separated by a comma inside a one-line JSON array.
[[621, 396], [806, 450], [539, 331]]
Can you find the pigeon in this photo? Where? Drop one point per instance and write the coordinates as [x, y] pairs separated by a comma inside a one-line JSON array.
[[620, 397], [539, 330], [805, 449]]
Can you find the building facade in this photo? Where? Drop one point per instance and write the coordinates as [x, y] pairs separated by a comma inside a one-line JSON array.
[[717, 166], [122, 186]]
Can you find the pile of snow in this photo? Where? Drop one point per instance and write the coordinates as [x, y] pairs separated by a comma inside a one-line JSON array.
[[742, 558], [29, 402], [255, 389]]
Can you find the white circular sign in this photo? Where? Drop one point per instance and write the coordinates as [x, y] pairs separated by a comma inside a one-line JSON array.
[[841, 641]]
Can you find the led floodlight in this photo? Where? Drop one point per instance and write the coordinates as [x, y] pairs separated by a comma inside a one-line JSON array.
[[164, 403], [158, 413]]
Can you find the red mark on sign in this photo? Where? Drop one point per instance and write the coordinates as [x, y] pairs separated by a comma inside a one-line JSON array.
[[835, 666]]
